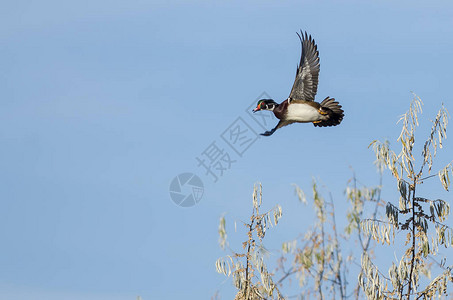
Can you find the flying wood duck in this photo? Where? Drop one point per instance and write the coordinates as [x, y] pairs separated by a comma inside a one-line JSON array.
[[300, 106]]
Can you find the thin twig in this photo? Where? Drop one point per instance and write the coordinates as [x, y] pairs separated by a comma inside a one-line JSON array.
[[409, 289]]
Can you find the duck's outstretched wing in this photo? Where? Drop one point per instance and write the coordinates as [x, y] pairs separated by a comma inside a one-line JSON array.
[[306, 83]]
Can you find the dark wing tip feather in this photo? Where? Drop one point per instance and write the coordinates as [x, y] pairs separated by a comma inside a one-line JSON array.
[[300, 37]]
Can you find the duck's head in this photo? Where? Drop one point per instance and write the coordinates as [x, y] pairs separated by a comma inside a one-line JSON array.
[[265, 104]]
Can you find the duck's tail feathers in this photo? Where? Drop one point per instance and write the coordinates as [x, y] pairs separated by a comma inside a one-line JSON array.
[[333, 110]]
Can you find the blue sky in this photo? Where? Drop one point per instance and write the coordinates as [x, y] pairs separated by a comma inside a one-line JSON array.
[[103, 103]]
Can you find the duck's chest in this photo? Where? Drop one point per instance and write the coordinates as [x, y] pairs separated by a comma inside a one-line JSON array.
[[301, 112]]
